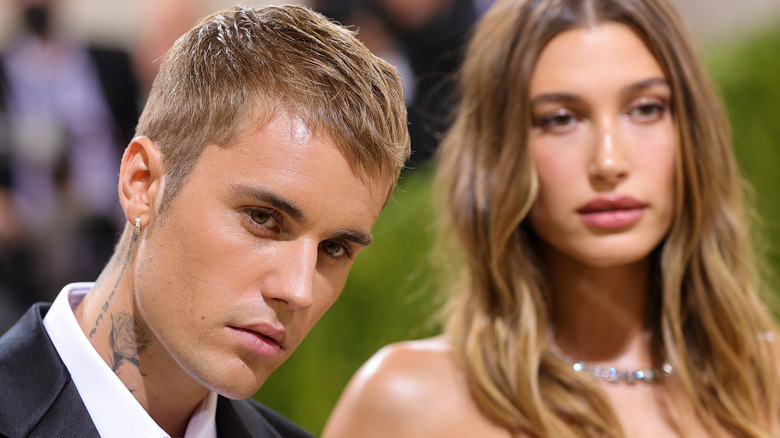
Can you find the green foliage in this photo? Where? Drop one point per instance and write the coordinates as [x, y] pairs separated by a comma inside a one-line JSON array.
[[748, 77], [389, 295]]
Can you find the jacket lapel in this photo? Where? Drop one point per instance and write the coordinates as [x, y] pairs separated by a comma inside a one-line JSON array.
[[39, 398], [236, 418]]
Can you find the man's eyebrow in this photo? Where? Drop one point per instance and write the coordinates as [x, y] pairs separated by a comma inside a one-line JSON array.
[[264, 195], [353, 236]]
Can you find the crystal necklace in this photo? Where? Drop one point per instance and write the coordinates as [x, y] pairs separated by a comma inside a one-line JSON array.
[[614, 375]]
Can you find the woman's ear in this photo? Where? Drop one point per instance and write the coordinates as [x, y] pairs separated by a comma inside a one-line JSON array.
[[140, 179]]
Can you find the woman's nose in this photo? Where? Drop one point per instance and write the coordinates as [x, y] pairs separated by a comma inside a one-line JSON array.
[[609, 164]]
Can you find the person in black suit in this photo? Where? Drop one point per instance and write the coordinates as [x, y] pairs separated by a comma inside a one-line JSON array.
[[271, 140]]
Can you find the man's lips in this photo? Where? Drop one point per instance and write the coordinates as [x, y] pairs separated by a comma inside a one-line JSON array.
[[265, 331]]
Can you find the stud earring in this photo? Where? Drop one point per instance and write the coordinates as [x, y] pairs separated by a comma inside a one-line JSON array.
[[137, 230]]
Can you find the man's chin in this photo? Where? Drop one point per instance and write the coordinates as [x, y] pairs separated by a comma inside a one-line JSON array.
[[238, 394], [238, 387]]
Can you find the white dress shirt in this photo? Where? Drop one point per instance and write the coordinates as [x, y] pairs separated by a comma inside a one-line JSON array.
[[113, 409]]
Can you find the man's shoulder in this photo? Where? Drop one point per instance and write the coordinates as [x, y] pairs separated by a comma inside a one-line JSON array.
[[25, 341], [235, 417], [39, 398]]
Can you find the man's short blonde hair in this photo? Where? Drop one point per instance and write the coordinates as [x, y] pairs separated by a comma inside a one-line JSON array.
[[242, 66]]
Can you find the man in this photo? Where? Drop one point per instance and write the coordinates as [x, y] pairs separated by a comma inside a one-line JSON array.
[[269, 144]]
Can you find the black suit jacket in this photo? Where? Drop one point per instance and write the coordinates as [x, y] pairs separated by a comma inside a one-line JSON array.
[[38, 397]]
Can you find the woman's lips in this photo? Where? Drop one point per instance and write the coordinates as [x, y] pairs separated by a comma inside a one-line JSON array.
[[611, 212]]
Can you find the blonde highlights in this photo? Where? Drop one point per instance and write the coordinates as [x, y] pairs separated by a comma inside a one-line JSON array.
[[240, 67], [708, 317]]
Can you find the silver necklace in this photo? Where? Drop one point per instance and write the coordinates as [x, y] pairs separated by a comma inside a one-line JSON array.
[[614, 375]]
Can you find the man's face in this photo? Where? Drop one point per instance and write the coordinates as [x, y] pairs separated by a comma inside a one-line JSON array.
[[253, 250]]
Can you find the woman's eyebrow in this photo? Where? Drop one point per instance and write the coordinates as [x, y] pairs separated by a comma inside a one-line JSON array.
[[643, 85], [555, 97], [571, 98]]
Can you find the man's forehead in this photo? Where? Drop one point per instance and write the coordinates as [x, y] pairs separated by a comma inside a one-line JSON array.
[[300, 130]]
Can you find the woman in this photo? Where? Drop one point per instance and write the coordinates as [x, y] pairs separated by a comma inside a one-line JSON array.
[[607, 285]]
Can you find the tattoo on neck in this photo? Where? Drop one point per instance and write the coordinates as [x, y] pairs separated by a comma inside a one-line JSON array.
[[127, 339], [104, 309]]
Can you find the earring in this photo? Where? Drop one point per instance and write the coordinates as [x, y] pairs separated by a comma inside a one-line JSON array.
[[137, 230]]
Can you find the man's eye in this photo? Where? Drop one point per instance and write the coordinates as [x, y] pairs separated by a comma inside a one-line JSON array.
[[334, 249], [264, 218]]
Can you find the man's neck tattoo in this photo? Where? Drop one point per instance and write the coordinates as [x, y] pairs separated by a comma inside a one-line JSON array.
[[104, 308], [127, 339]]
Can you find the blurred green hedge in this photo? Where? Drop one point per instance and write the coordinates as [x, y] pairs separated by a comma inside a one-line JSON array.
[[390, 292], [747, 73]]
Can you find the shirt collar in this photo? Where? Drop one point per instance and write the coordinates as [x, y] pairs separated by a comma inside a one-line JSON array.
[[113, 409]]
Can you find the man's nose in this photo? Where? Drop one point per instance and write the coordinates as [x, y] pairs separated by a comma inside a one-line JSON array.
[[291, 279], [609, 163]]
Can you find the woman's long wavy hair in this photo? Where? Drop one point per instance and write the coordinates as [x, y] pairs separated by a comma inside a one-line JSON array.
[[709, 321]]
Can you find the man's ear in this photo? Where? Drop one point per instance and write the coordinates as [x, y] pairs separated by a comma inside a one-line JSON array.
[[140, 179]]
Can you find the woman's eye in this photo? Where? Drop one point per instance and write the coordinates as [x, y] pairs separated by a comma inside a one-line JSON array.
[[264, 218], [334, 249], [562, 120], [647, 112]]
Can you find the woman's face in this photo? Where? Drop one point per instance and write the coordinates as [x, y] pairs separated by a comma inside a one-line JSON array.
[[603, 144]]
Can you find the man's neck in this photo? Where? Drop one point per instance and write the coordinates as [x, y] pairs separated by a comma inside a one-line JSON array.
[[109, 318]]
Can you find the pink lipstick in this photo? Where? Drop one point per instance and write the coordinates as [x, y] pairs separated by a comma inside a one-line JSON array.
[[612, 212]]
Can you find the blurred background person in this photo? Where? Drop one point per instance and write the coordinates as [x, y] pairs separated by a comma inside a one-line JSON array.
[[68, 109], [164, 21], [424, 39]]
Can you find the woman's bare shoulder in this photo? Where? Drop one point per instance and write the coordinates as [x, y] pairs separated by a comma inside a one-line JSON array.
[[406, 389], [400, 380]]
